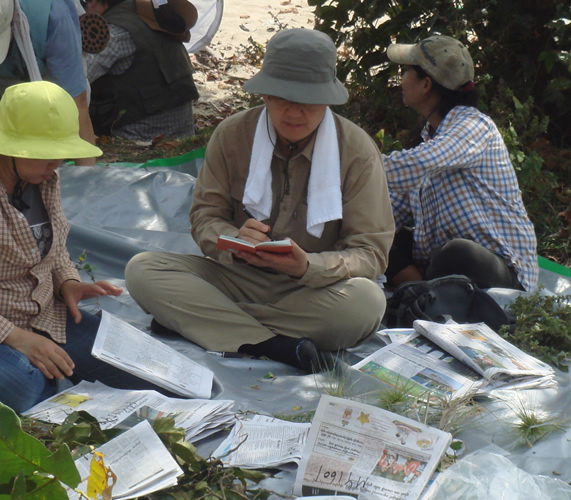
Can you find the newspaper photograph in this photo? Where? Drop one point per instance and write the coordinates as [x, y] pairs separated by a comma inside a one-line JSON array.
[[420, 366], [364, 451], [479, 347]]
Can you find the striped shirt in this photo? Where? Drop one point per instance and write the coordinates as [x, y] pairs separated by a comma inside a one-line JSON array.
[[28, 283], [461, 184], [115, 59]]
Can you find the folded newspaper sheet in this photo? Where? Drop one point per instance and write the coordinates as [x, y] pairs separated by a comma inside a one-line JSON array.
[[140, 461], [358, 449], [263, 442], [124, 346], [452, 360], [123, 408]]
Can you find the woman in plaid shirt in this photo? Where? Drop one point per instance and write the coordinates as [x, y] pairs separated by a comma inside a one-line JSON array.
[[43, 335], [455, 196]]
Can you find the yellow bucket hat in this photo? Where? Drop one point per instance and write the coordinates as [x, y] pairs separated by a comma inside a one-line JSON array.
[[40, 120]]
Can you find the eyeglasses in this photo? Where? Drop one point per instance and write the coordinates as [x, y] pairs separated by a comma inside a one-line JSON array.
[[282, 104]]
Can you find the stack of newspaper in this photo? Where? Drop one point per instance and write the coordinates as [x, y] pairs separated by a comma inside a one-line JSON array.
[[364, 451], [139, 460], [452, 360], [128, 348], [123, 408], [263, 442]]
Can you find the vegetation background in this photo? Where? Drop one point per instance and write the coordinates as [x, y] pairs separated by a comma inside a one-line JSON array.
[[522, 53]]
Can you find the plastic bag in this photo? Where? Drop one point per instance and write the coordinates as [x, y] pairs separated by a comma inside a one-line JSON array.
[[489, 476]]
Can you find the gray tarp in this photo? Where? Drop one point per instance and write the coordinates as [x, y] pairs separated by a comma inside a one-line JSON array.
[[118, 211]]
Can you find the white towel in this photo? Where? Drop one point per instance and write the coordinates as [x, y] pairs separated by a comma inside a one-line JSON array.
[[324, 202]]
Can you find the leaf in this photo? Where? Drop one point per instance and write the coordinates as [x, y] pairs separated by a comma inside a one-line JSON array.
[[185, 451], [98, 476], [456, 445], [253, 475], [269, 375], [166, 430], [22, 453], [82, 428]]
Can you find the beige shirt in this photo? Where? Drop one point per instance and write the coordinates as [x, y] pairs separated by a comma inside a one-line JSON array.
[[356, 246], [28, 284]]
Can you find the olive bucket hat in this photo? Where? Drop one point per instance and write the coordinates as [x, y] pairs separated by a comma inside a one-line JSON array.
[[40, 120], [445, 59], [299, 65]]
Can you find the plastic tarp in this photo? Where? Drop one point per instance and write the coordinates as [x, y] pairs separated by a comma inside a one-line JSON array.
[[117, 211]]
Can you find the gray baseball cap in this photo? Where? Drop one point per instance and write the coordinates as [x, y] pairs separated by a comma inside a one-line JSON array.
[[444, 58], [299, 65]]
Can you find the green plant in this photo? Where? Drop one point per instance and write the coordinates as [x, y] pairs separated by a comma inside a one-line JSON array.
[[543, 327], [253, 52], [83, 265], [533, 425], [27, 468], [387, 143], [206, 479], [447, 414], [526, 45], [522, 59], [24, 460]]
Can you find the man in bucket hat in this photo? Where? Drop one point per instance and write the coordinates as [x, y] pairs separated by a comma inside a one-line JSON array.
[[142, 84], [294, 167], [43, 335]]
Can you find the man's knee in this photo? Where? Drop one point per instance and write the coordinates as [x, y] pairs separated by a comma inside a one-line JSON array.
[[359, 315], [138, 267], [456, 256]]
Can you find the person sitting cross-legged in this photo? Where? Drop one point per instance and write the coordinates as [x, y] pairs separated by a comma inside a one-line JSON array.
[[305, 173]]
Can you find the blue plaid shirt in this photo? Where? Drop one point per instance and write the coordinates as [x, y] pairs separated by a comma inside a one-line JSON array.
[[461, 184]]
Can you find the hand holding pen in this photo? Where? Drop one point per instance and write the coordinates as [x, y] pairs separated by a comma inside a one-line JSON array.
[[247, 212]]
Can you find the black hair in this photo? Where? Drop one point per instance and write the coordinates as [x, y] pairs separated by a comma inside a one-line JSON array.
[[450, 98]]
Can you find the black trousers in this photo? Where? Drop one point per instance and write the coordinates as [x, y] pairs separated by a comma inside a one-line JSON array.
[[457, 256]]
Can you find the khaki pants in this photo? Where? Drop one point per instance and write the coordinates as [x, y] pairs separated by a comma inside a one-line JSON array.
[[220, 307]]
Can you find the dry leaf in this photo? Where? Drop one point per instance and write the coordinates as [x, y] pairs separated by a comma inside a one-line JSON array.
[[98, 481]]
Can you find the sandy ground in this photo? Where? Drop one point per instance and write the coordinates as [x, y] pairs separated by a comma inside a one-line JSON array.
[[222, 67]]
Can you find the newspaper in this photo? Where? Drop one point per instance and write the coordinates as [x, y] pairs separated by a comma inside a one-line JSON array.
[[361, 450], [123, 409], [263, 442], [453, 360], [140, 461], [124, 346], [419, 366], [483, 350]]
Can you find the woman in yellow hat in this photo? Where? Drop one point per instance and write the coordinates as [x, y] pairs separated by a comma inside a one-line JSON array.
[[43, 335]]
